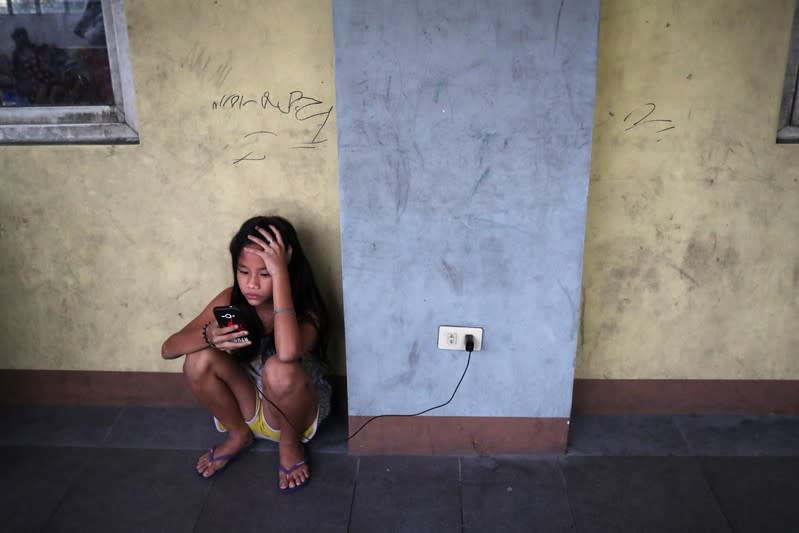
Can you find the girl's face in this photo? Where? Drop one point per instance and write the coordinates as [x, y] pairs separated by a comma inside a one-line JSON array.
[[253, 278]]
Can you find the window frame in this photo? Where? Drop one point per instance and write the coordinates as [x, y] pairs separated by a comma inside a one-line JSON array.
[[107, 124], [788, 128]]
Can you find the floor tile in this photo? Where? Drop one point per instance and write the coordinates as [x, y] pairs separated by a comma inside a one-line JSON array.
[[514, 494], [619, 494], [332, 434], [163, 428], [413, 494], [193, 428], [83, 468], [34, 480], [245, 497], [133, 490], [709, 435], [624, 435], [756, 494], [63, 425]]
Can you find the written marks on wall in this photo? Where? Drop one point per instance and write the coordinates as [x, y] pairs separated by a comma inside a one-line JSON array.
[[301, 109], [643, 120], [640, 116]]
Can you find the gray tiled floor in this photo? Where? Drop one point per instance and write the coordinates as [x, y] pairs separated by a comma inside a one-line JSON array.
[[116, 469]]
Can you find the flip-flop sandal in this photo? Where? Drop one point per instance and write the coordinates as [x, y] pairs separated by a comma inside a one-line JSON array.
[[228, 457], [289, 470]]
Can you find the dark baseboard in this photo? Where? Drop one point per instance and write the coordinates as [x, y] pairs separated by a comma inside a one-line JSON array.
[[83, 387], [458, 435], [685, 396]]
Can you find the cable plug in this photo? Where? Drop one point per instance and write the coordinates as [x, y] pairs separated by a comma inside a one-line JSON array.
[[469, 343]]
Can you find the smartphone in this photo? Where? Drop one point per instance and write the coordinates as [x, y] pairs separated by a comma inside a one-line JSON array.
[[230, 315]]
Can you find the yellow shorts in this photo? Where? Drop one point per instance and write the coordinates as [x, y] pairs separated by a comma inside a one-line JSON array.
[[262, 430]]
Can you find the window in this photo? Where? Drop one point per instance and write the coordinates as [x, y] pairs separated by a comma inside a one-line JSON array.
[[788, 130], [65, 74]]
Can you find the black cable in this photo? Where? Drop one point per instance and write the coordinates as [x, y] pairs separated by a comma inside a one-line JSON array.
[[469, 348], [468, 360], [273, 404]]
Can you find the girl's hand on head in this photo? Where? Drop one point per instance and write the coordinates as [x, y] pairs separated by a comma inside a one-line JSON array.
[[223, 338], [273, 251]]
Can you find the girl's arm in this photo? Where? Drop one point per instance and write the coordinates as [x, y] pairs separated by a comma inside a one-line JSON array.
[[293, 337], [190, 339]]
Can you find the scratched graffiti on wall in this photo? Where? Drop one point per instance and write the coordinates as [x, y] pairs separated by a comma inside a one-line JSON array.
[[643, 115], [303, 110]]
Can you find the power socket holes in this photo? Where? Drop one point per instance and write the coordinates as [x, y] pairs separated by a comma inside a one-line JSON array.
[[454, 337]]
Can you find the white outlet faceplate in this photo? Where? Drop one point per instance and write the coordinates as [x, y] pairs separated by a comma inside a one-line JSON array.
[[454, 337]]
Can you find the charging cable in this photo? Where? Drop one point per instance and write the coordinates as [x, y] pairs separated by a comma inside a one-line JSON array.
[[469, 348]]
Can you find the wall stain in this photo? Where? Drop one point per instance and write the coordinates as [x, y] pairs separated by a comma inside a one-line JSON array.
[[607, 329], [399, 162], [413, 355], [486, 138], [440, 85], [199, 60], [582, 318], [452, 275], [481, 179], [573, 310], [622, 305], [387, 98], [629, 271], [401, 185], [406, 377], [183, 293], [626, 273], [706, 258], [473, 223], [557, 26], [683, 273]]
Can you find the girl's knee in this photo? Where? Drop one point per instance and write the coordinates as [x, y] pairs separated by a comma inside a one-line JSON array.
[[198, 365], [283, 378]]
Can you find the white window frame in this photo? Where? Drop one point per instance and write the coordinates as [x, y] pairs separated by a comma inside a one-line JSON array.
[[788, 128], [105, 124]]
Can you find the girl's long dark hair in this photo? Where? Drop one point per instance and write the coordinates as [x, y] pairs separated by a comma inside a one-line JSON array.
[[305, 294]]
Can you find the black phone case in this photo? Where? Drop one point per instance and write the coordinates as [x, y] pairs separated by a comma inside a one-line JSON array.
[[228, 315]]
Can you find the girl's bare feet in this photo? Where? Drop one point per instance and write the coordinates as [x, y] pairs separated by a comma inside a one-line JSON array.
[[219, 456], [291, 475]]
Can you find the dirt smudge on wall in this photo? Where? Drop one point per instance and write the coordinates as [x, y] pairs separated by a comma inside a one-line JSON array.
[[710, 258]]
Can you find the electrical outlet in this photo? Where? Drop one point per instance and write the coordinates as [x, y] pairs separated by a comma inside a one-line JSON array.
[[454, 337]]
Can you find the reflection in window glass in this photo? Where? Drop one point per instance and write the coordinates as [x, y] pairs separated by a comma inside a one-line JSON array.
[[23, 7], [55, 58], [74, 6], [53, 6], [3, 8]]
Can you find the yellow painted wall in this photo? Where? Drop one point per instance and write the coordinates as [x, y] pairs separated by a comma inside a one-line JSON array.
[[691, 261], [108, 249], [692, 254]]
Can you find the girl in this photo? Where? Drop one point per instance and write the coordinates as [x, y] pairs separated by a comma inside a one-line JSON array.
[[265, 380]]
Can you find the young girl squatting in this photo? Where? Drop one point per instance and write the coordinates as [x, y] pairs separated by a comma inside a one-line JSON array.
[[282, 354]]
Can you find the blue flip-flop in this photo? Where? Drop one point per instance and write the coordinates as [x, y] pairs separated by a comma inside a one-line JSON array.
[[289, 470], [227, 457]]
